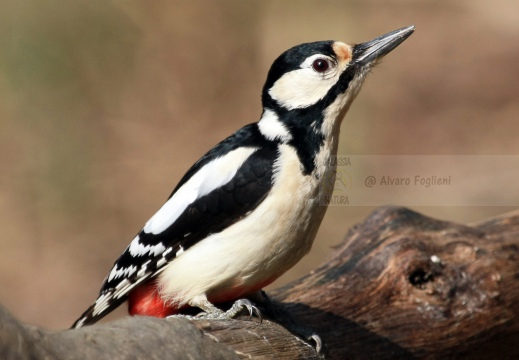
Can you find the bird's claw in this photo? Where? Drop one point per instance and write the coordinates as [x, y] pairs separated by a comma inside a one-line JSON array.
[[217, 314], [277, 311], [318, 342], [239, 305], [201, 315]]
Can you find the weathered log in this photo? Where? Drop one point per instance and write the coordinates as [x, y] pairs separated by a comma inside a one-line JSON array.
[[401, 285]]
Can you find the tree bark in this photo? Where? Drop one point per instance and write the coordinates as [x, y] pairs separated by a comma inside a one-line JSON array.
[[400, 285]]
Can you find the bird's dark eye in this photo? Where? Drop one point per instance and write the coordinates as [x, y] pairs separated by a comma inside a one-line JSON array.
[[320, 65]]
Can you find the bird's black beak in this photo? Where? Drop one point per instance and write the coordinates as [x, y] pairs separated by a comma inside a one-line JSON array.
[[375, 49]]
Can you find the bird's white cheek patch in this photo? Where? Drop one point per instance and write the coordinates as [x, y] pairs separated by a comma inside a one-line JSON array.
[[213, 175], [301, 88]]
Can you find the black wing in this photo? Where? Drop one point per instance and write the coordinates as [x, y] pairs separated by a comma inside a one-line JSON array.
[[206, 215]]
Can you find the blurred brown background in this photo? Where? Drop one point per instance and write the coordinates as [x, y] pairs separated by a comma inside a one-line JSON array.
[[105, 104]]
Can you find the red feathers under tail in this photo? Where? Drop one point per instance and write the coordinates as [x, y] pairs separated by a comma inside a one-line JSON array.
[[144, 300]]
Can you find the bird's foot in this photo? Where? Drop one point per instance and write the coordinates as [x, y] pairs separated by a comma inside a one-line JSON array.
[[308, 334], [235, 310], [239, 306], [213, 313], [280, 314]]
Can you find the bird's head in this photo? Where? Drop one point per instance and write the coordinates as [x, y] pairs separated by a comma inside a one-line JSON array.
[[312, 78]]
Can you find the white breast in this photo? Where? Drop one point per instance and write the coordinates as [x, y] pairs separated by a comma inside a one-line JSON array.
[[263, 245]]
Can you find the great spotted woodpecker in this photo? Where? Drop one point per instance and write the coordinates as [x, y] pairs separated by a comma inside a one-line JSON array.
[[249, 209]]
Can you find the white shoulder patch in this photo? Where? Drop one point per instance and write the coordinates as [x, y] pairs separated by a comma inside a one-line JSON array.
[[272, 128], [213, 175]]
